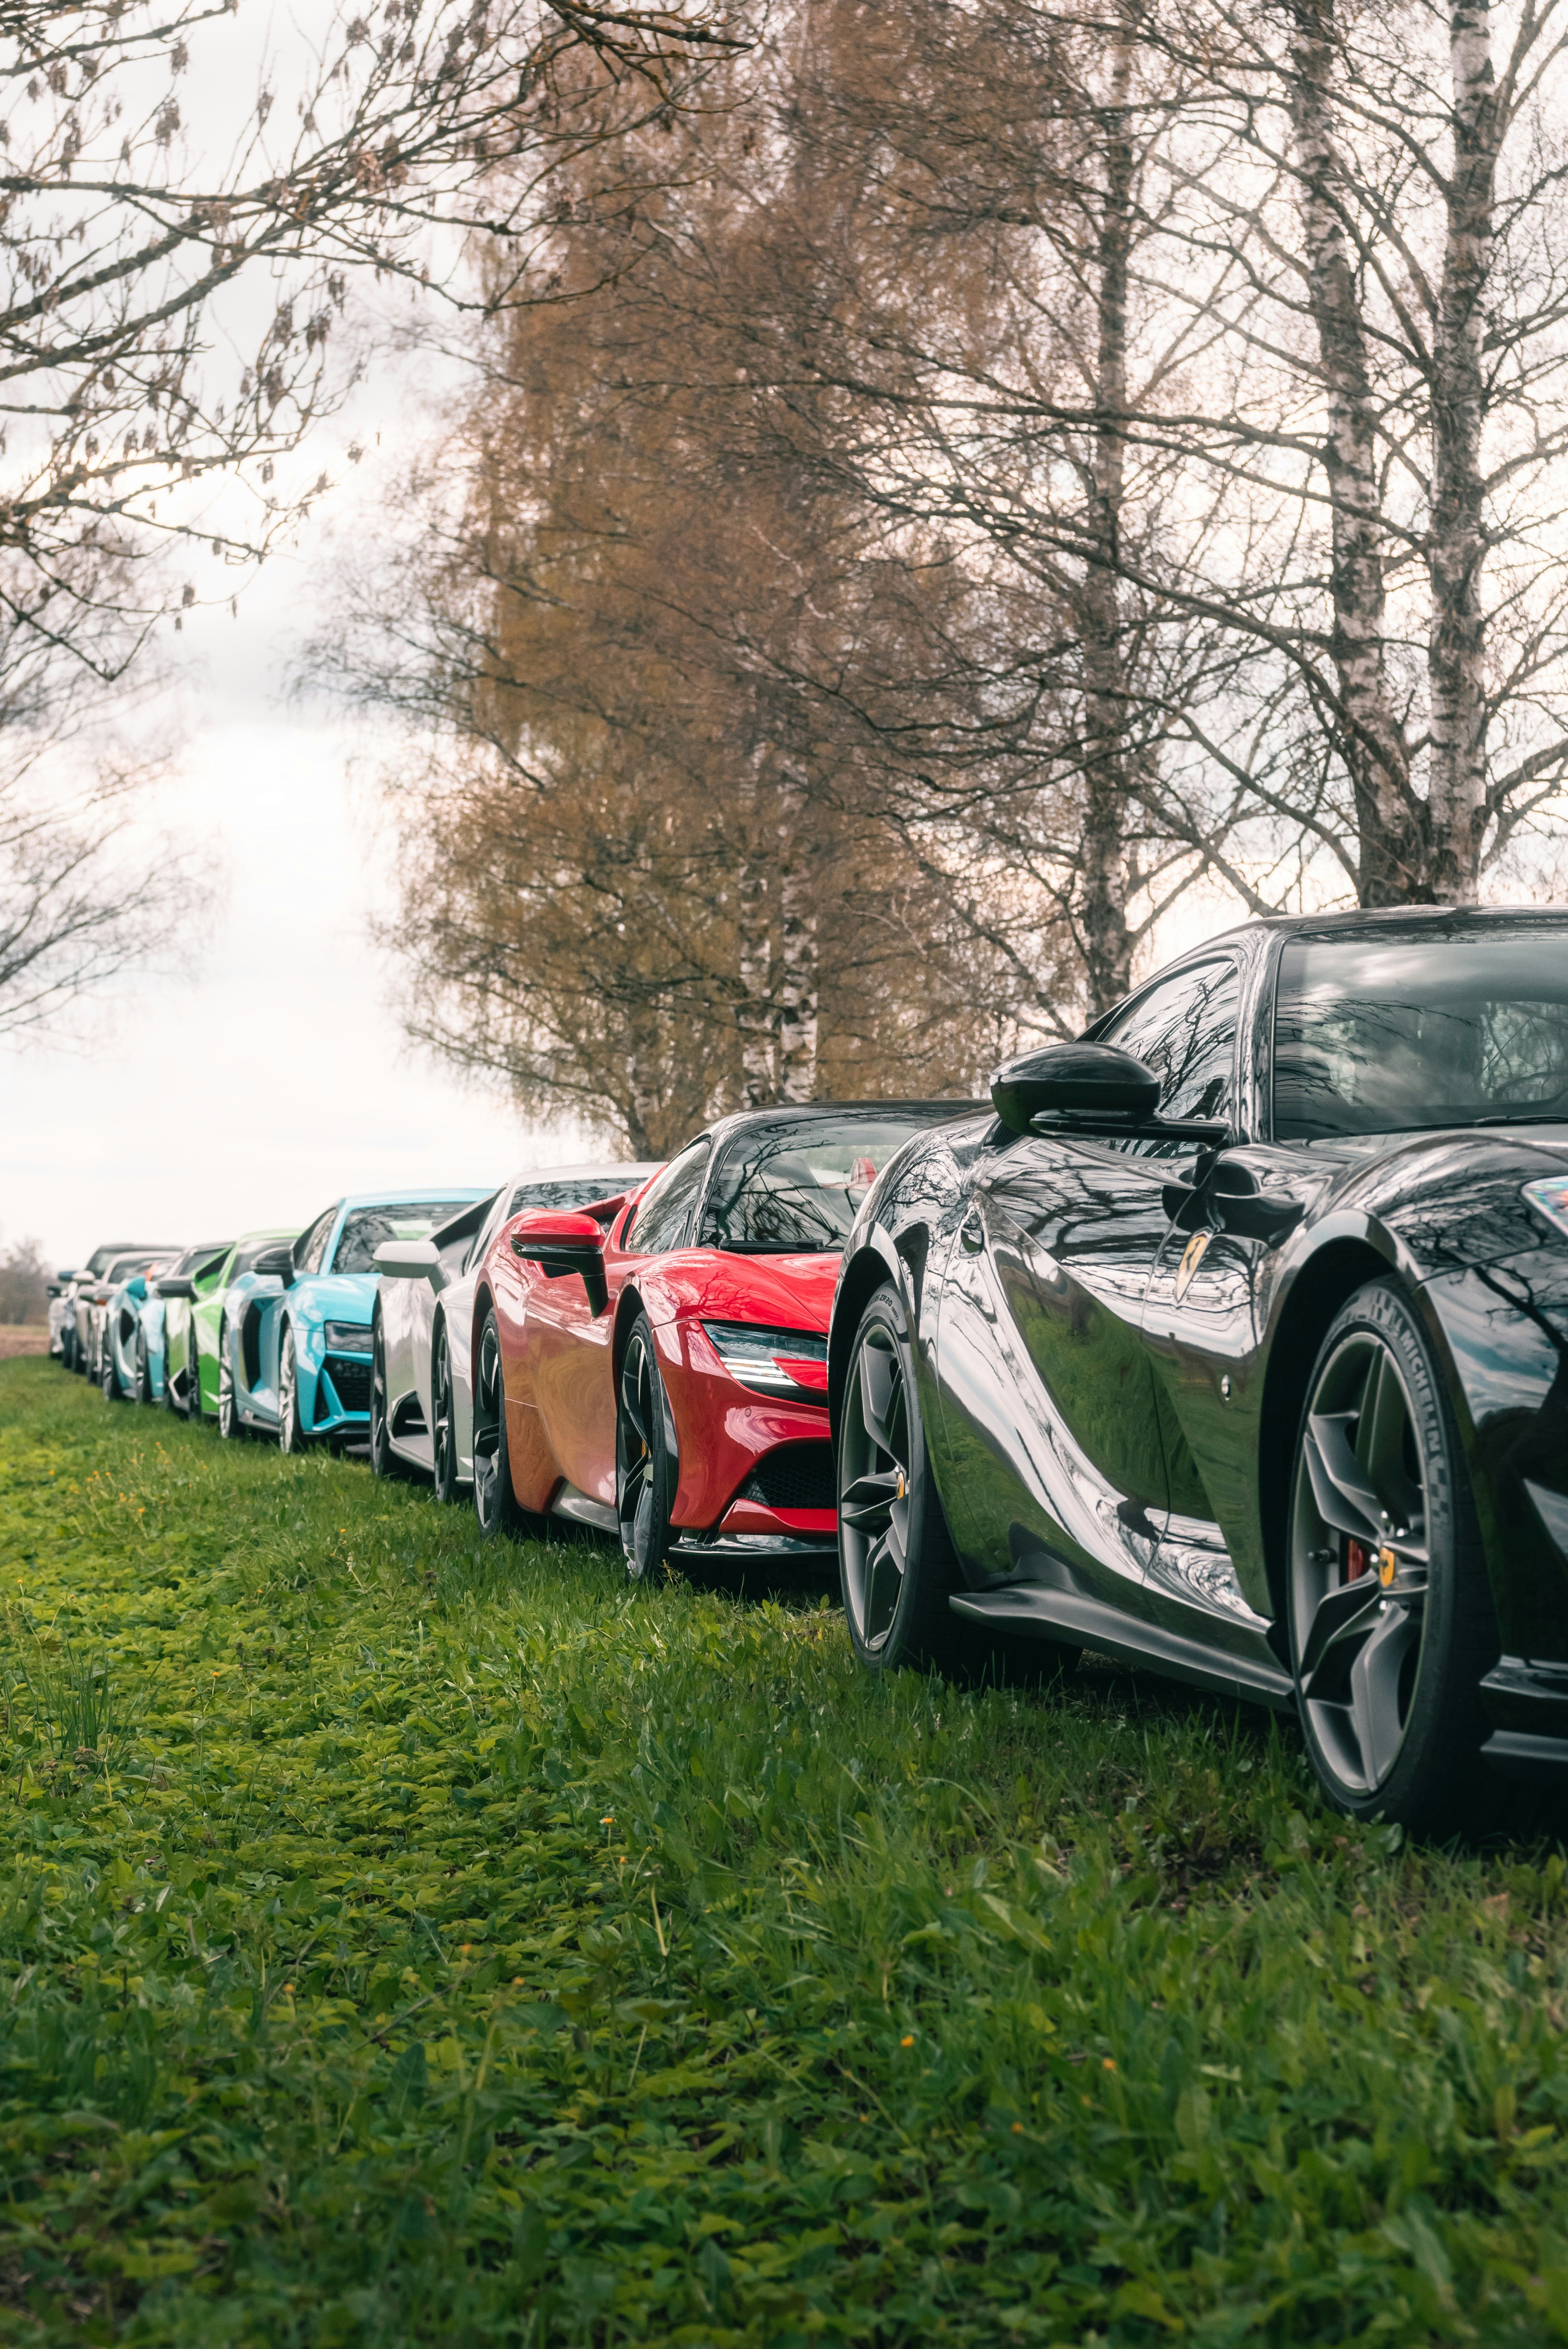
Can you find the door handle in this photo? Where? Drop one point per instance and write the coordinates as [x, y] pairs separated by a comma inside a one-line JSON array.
[[972, 1233]]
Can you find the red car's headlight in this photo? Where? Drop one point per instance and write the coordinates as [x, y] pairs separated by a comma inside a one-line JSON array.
[[771, 1361]]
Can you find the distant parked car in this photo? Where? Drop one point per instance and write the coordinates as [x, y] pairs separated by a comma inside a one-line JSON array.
[[74, 1315], [139, 1359], [421, 1398], [667, 1379], [196, 1275], [204, 1310], [61, 1311], [92, 1302], [121, 1360], [294, 1354]]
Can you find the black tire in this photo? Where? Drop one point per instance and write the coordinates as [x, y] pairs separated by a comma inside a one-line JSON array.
[[384, 1460], [169, 1404], [193, 1412], [496, 1504], [443, 1418], [108, 1377], [1387, 1597], [69, 1347], [897, 1566], [647, 1459], [144, 1394], [230, 1426], [291, 1436]]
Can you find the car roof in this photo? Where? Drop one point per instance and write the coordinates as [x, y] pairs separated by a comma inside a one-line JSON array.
[[273, 1232], [749, 1121], [1376, 917], [592, 1167], [415, 1194]]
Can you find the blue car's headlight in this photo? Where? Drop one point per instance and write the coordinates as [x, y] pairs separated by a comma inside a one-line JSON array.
[[1551, 1197], [347, 1337]]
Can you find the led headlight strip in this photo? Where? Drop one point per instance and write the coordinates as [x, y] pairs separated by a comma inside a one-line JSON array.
[[347, 1337], [771, 1361]]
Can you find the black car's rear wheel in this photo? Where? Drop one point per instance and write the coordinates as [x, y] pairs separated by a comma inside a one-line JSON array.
[[897, 1566], [1390, 1615], [496, 1504], [647, 1465], [443, 1418]]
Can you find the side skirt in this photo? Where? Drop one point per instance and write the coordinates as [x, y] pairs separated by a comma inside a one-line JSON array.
[[1090, 1623]]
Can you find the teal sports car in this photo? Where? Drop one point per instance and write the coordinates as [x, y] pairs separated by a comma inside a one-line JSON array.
[[294, 1351]]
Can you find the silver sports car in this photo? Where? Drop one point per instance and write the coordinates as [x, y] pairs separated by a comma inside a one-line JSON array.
[[421, 1397]]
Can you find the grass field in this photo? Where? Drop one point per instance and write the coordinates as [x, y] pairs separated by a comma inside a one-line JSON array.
[[409, 1940]]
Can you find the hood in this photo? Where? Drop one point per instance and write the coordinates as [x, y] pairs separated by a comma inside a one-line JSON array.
[[334, 1295]]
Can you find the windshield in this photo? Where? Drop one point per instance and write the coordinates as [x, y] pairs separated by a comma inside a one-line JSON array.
[[794, 1187], [1449, 1026], [365, 1228]]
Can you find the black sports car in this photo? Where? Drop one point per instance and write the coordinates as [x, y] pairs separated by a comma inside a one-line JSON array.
[[1236, 1344]]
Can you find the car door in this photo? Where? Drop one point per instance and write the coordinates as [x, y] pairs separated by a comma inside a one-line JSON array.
[[568, 1344], [1052, 1452]]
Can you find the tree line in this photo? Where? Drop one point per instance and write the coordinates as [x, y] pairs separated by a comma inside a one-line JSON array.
[[936, 487]]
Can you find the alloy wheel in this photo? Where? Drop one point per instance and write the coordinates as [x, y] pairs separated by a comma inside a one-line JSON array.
[[381, 1461], [1359, 1561], [874, 1466], [643, 1481], [228, 1415], [443, 1427], [290, 1436], [490, 1457]]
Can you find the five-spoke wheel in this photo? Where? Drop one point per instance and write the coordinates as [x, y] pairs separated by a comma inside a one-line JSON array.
[[896, 1561], [292, 1435], [384, 1460], [1389, 1615], [443, 1417], [229, 1421], [647, 1467], [496, 1504]]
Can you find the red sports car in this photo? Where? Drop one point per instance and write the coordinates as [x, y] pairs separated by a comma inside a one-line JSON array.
[[659, 1368]]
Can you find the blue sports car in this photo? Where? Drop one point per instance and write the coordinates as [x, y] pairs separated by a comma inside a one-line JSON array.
[[294, 1350], [119, 1330]]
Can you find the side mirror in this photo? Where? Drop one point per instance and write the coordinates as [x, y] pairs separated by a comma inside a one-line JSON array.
[[277, 1262], [67, 1272], [1085, 1080], [561, 1244], [411, 1260], [51, 1288], [177, 1285], [137, 1287]]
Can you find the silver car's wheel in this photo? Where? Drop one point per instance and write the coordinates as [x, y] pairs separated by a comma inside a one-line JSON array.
[[108, 1377], [443, 1417], [496, 1504], [646, 1464], [143, 1369], [1390, 1613], [384, 1460], [291, 1432]]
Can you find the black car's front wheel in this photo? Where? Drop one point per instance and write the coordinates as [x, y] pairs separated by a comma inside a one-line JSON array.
[[897, 1566], [647, 1464], [1390, 1615], [443, 1418]]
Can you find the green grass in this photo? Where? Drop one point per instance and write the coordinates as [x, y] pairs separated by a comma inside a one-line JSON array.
[[409, 1940]]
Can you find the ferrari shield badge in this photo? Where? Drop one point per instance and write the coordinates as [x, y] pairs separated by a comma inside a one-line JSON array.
[[1191, 1258]]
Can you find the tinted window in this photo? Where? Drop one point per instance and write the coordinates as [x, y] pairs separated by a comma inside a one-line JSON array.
[[1391, 1033], [245, 1258], [794, 1188], [663, 1220], [579, 1191], [1184, 1028], [365, 1228], [310, 1250]]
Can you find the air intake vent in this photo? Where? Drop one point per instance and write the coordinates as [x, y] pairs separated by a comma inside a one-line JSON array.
[[796, 1476]]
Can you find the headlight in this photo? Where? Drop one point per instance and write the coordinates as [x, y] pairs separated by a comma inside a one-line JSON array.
[[1551, 1198], [771, 1361], [347, 1337]]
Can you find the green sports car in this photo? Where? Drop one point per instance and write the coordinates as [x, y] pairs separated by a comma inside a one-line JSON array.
[[202, 1317], [180, 1291]]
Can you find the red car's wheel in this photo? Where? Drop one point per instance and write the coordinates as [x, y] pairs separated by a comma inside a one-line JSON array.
[[496, 1504], [647, 1467]]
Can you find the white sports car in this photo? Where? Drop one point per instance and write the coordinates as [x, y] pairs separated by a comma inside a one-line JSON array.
[[422, 1395]]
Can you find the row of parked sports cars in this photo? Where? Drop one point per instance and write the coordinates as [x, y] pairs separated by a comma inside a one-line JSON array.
[[1229, 1340]]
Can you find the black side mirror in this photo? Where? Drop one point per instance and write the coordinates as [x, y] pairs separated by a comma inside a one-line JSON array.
[[277, 1262], [177, 1285], [1083, 1079]]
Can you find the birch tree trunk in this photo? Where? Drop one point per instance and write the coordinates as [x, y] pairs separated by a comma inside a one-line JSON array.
[[754, 961], [798, 944], [1108, 943], [1457, 547], [1368, 732]]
